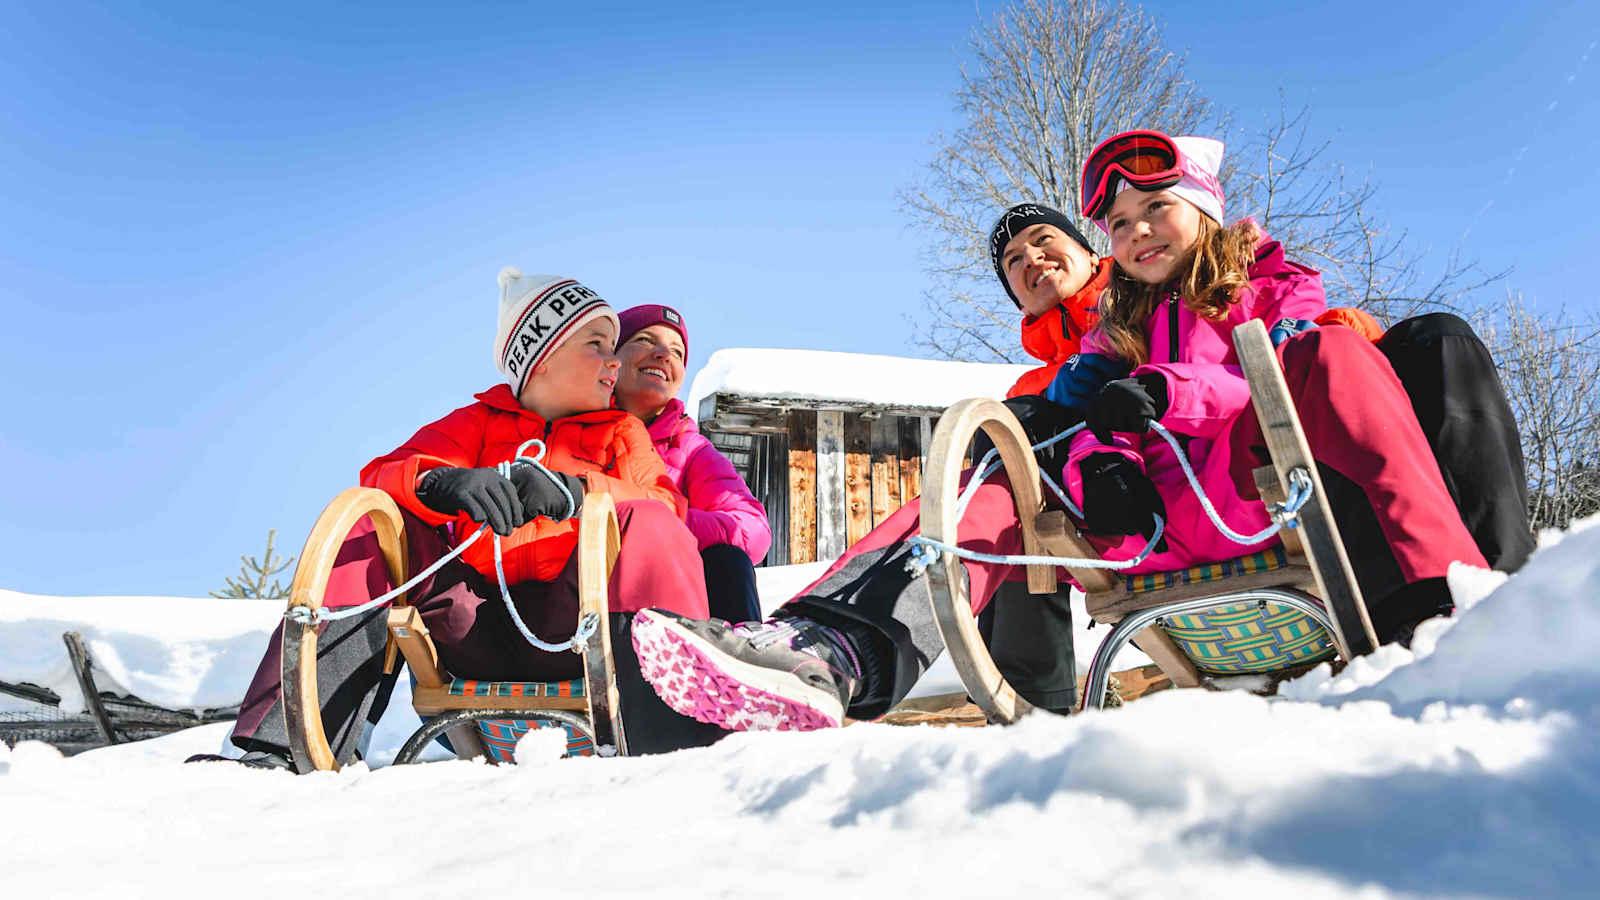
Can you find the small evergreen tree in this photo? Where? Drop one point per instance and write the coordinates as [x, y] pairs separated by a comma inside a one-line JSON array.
[[253, 576]]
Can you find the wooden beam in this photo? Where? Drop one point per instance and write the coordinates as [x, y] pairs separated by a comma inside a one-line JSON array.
[[885, 468], [857, 476], [831, 498], [802, 487], [774, 495], [91, 694], [910, 460]]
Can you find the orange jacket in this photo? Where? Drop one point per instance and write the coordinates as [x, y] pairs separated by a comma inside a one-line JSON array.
[[609, 449], [1053, 337], [1359, 321]]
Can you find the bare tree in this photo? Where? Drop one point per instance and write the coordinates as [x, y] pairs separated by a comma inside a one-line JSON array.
[[253, 575], [1324, 217], [1049, 79], [1547, 366]]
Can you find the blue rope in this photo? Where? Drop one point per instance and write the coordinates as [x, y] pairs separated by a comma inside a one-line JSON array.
[[586, 627], [925, 551]]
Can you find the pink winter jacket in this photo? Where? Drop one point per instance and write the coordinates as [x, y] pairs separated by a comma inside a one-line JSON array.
[[1206, 393], [721, 508]]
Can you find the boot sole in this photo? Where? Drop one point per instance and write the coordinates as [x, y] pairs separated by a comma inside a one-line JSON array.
[[697, 680]]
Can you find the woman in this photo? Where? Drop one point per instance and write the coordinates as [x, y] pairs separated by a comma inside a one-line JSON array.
[[728, 522]]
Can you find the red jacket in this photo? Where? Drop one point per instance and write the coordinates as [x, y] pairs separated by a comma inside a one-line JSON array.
[[1053, 337], [608, 448]]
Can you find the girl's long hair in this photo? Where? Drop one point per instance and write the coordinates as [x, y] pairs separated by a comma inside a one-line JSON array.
[[1213, 271]]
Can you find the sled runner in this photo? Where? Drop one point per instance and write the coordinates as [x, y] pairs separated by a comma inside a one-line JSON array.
[[481, 718], [1285, 607]]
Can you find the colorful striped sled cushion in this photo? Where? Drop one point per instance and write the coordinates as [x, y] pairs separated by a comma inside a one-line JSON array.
[[500, 737], [1249, 637]]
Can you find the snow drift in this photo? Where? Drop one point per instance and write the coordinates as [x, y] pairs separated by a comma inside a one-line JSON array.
[[1467, 768]]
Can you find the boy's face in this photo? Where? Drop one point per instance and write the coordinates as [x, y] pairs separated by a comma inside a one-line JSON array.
[[577, 377], [652, 369]]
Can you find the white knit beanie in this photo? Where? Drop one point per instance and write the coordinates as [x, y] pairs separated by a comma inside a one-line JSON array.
[[538, 313], [1199, 184]]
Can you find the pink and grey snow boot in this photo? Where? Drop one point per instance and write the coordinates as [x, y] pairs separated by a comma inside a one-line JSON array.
[[789, 674]]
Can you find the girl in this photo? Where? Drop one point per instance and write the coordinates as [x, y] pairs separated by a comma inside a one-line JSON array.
[[855, 642], [1181, 283], [555, 347], [728, 522]]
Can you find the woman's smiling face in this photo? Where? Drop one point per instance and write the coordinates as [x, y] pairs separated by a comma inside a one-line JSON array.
[[652, 370], [1151, 233]]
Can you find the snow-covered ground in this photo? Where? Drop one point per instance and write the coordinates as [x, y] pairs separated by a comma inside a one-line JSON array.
[[1467, 768]]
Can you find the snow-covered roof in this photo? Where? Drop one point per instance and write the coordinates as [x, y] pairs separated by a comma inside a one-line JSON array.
[[848, 378]]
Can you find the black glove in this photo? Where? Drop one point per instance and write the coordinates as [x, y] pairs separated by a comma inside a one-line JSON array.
[[1041, 419], [1118, 498], [541, 497], [1127, 405], [482, 494]]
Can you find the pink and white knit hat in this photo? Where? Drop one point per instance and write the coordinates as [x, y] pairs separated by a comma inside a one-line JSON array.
[[1200, 162]]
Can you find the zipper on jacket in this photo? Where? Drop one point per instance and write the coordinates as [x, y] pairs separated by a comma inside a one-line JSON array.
[[1066, 322], [1172, 326]]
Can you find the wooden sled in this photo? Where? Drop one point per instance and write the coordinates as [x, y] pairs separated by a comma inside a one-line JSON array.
[[481, 718], [1281, 609]]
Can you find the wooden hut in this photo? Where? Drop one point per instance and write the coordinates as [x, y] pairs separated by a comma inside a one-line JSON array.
[[831, 443]]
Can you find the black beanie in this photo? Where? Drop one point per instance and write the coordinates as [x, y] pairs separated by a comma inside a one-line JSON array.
[[1018, 219]]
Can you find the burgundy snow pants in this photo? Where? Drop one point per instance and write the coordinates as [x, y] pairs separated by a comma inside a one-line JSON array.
[[658, 566], [1398, 521]]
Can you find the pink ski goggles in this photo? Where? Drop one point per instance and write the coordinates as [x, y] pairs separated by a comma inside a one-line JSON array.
[[1148, 160]]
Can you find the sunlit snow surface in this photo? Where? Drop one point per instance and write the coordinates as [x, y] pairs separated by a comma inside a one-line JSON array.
[[1468, 769]]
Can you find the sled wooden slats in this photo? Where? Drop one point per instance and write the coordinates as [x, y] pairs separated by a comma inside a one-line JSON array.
[[1319, 534], [946, 587], [599, 542], [301, 706]]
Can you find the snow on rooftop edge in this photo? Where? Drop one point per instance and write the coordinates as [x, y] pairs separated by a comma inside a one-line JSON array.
[[848, 377]]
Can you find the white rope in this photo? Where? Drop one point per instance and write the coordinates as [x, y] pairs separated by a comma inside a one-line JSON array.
[[586, 628], [925, 551]]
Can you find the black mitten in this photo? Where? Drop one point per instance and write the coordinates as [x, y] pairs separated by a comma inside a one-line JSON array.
[[1118, 498], [1127, 405], [1041, 419], [541, 497], [482, 494]]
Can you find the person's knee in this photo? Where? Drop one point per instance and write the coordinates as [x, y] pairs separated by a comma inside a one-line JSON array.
[[1426, 329], [1311, 347], [653, 518]]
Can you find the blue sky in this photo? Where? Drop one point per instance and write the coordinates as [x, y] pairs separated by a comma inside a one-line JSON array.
[[245, 250]]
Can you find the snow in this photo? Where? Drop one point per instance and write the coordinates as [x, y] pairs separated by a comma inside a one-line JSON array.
[[1466, 768], [848, 377]]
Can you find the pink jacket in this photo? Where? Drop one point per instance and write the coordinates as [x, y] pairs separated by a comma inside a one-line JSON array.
[[721, 508], [1206, 393]]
